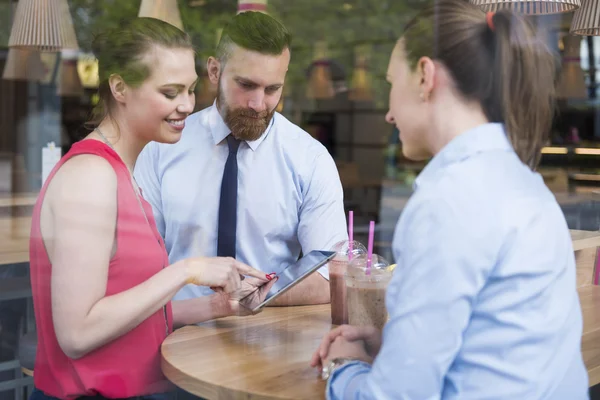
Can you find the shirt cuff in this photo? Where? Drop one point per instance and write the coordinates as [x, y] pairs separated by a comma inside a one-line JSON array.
[[345, 381]]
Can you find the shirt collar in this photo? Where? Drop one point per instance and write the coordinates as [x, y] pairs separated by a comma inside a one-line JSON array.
[[481, 139], [220, 130]]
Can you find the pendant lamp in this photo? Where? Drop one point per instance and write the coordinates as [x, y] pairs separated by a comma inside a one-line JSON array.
[[23, 64], [165, 10], [360, 88], [252, 5], [586, 20], [530, 7], [320, 84], [43, 25]]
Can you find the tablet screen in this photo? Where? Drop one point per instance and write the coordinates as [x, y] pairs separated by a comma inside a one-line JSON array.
[[294, 273]]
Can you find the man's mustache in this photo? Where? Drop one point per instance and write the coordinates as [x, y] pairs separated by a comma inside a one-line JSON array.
[[251, 113]]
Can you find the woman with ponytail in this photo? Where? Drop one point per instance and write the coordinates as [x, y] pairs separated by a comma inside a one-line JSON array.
[[483, 303]]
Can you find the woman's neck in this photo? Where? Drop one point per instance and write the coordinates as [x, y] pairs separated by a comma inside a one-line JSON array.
[[454, 119], [123, 142]]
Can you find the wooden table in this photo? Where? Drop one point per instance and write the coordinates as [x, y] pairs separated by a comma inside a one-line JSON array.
[[264, 357]]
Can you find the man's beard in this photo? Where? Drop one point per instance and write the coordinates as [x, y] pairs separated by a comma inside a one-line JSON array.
[[245, 123]]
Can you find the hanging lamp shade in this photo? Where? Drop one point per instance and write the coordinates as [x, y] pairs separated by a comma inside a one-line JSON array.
[[320, 84], [43, 25], [24, 64], [165, 10], [69, 83], [360, 88], [586, 20], [571, 83], [252, 5], [530, 7]]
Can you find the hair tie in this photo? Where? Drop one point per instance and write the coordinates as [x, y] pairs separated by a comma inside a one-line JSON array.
[[490, 21]]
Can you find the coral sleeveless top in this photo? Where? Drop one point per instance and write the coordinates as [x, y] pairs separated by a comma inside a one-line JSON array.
[[130, 365]]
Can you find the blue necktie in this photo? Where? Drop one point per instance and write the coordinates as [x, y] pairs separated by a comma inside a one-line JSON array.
[[228, 202]]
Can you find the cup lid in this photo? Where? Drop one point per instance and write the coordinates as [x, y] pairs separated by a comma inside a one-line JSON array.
[[379, 266], [343, 248]]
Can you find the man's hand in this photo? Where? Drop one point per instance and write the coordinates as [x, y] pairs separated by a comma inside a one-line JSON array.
[[252, 292], [367, 337]]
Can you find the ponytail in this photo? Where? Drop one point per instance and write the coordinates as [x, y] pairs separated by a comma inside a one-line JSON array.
[[497, 60], [524, 85]]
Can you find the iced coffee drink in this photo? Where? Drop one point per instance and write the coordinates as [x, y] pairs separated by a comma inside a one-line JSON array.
[[337, 284], [365, 291]]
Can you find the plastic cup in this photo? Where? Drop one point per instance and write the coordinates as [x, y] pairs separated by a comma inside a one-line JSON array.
[[365, 291], [337, 271]]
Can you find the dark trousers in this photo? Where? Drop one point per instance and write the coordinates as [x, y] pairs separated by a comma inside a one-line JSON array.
[[39, 395], [183, 395]]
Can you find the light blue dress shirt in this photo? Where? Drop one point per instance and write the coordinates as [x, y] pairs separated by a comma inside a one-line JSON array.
[[483, 302], [289, 194]]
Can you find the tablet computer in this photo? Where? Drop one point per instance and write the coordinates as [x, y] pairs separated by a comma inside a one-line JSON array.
[[295, 273]]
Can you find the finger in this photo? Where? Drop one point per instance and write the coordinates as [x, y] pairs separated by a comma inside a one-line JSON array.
[[248, 270], [328, 339], [257, 296], [255, 282], [236, 283], [353, 333], [264, 289], [315, 360], [334, 333], [220, 281], [324, 347], [230, 286]]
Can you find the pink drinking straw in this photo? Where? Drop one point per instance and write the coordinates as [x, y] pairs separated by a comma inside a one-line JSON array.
[[370, 246], [350, 233]]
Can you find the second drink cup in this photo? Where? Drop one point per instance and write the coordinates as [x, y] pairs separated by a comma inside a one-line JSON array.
[[366, 289]]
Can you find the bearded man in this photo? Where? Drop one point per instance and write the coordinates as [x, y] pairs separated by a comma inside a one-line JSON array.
[[243, 181]]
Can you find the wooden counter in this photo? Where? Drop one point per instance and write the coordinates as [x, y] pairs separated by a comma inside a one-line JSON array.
[[18, 200], [589, 298], [14, 240], [585, 239]]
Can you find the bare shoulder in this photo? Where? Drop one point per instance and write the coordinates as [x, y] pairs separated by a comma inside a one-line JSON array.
[[85, 177]]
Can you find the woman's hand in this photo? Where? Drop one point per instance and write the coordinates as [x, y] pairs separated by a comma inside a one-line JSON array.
[[342, 348], [251, 293], [369, 335], [223, 274]]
